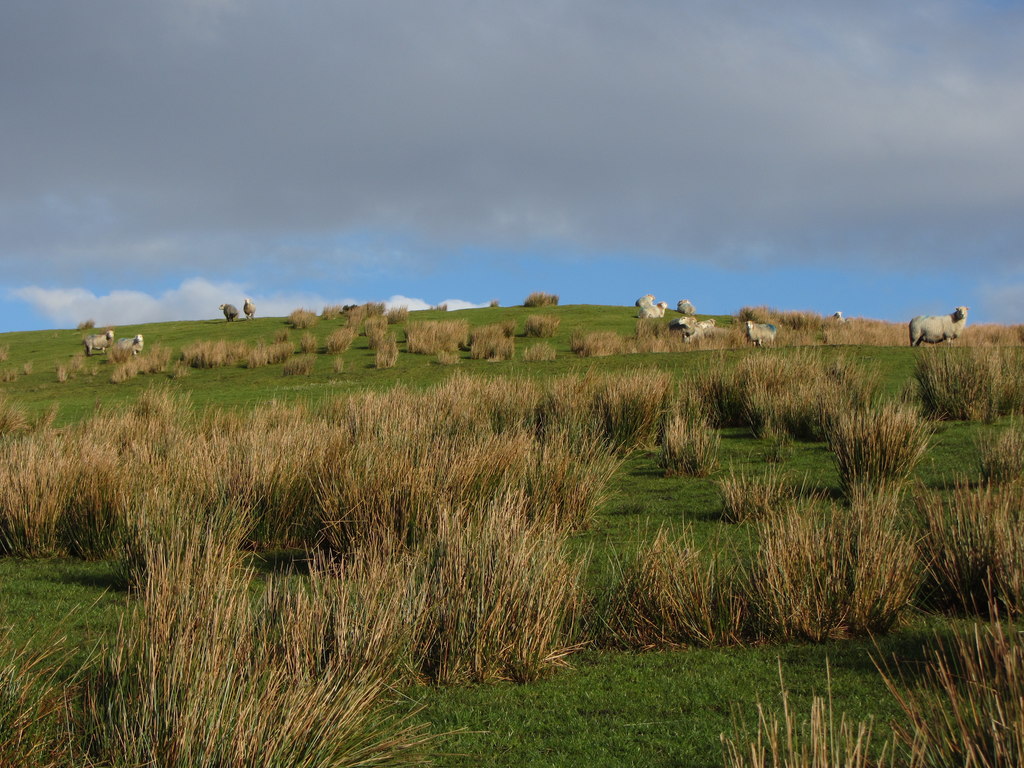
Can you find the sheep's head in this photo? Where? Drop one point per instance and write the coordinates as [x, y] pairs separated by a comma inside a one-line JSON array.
[[960, 313], [138, 337], [109, 334], [750, 325], [221, 307]]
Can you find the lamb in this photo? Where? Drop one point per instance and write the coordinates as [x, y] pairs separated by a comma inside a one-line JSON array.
[[685, 307], [94, 342], [759, 333], [249, 308], [936, 328], [134, 344], [230, 311]]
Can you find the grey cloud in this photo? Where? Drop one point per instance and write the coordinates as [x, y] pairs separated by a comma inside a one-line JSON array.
[[798, 131]]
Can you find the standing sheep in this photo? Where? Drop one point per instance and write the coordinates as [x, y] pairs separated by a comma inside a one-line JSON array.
[[759, 333], [230, 311], [838, 317], [936, 328], [249, 308], [94, 342], [134, 344], [685, 307]]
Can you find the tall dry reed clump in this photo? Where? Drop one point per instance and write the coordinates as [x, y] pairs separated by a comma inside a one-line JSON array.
[[376, 328], [429, 337], [992, 335], [980, 383], [793, 320], [387, 352], [599, 344], [340, 339], [1001, 454], [541, 299], [539, 353], [299, 365], [12, 417], [755, 497], [308, 343], [673, 594], [689, 444], [269, 354], [973, 546], [967, 705], [192, 679], [332, 312], [154, 361], [214, 354], [819, 742], [877, 449], [819, 576], [864, 332], [797, 394], [490, 342], [542, 326], [302, 318], [397, 315]]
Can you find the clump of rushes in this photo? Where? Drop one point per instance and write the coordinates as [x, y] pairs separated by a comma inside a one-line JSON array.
[[753, 497], [376, 328], [447, 357], [973, 548], [977, 383], [541, 299], [340, 339], [300, 365], [967, 705], [490, 342], [1001, 454], [308, 343], [214, 354], [539, 353], [302, 318], [332, 312], [819, 742], [432, 336], [387, 352], [689, 445], [86, 325], [542, 326], [397, 315], [673, 594], [629, 408], [598, 343], [877, 449]]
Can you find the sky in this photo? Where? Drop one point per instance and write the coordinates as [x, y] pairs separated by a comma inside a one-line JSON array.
[[160, 158]]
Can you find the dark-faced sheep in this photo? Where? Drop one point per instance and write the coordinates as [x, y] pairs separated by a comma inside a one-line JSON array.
[[936, 328]]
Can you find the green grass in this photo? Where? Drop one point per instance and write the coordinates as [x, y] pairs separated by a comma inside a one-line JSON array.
[[607, 708]]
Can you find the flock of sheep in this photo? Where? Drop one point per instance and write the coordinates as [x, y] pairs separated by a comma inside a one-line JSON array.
[[923, 328]]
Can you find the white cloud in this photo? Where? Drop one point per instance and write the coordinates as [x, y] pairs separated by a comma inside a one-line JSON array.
[[1004, 303], [195, 299]]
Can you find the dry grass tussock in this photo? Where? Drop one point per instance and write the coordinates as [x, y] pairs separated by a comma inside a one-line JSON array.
[[864, 332], [689, 444], [302, 318], [269, 354], [541, 299], [86, 325], [491, 342], [539, 353], [756, 497], [429, 337], [340, 339], [308, 343], [387, 351], [542, 326], [1001, 454], [299, 365], [154, 360], [375, 328], [5, 351], [980, 383], [397, 315], [214, 354], [332, 312], [991, 335], [789, 319]]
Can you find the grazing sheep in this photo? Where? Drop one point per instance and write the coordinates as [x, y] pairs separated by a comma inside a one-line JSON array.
[[249, 308], [936, 328], [230, 311], [759, 333], [134, 344], [94, 342], [838, 317], [685, 307]]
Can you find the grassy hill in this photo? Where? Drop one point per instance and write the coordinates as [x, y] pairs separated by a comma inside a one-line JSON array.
[[663, 705]]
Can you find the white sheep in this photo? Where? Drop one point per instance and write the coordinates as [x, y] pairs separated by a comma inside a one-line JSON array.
[[838, 317], [936, 328], [249, 308], [647, 300], [230, 311], [95, 342], [759, 333], [134, 344], [685, 307], [684, 324]]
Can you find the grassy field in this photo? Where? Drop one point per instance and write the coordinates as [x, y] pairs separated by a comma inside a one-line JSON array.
[[610, 702]]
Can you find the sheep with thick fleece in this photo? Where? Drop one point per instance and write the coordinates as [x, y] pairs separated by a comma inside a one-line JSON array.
[[759, 333], [838, 317], [249, 308], [685, 307], [647, 300], [95, 342], [653, 310], [230, 311], [936, 328], [134, 344]]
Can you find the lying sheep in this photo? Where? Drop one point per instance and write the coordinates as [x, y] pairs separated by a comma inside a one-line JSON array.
[[134, 344], [646, 301], [685, 307], [95, 342], [230, 311], [652, 310], [249, 308], [759, 333], [707, 330], [684, 324], [936, 328]]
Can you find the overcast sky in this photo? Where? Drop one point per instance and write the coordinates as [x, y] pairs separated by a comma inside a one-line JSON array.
[[159, 158]]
